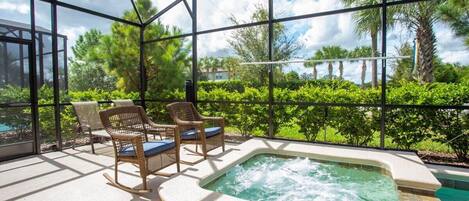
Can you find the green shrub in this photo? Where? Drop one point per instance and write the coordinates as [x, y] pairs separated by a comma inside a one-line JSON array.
[[409, 126], [231, 85], [452, 127], [354, 123], [311, 120], [405, 126]]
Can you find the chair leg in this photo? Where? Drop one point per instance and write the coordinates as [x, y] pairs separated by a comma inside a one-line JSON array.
[[116, 170], [92, 143], [143, 173], [178, 166], [222, 141], [144, 182], [178, 157], [74, 140], [204, 150], [115, 183]]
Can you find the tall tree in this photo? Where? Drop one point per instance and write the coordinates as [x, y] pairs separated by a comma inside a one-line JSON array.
[[403, 68], [204, 67], [313, 64], [251, 43], [420, 17], [368, 21], [231, 64], [167, 62], [215, 64], [86, 70], [364, 51], [329, 52]]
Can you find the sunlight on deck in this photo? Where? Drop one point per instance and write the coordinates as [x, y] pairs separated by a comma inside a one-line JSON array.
[[77, 175]]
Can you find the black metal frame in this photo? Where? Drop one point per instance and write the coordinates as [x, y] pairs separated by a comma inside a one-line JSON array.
[[40, 54], [271, 102], [194, 34], [33, 102]]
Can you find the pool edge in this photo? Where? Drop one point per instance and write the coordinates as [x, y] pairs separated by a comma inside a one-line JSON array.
[[407, 170]]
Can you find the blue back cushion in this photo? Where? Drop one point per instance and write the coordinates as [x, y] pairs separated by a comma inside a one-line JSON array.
[[150, 148], [209, 132]]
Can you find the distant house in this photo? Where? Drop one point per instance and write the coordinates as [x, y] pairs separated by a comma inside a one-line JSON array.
[[219, 75]]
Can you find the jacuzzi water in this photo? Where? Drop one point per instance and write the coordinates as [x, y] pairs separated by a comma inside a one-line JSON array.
[[273, 177]]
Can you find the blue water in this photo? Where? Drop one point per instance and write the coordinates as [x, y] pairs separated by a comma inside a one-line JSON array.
[[455, 188], [4, 128], [452, 194], [273, 177]]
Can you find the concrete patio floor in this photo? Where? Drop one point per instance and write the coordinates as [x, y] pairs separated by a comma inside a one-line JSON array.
[[78, 175]]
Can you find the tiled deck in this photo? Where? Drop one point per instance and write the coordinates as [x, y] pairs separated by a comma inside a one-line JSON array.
[[77, 175]]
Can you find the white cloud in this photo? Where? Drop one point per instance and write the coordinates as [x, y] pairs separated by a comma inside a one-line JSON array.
[[216, 13], [459, 56], [450, 48], [177, 16], [22, 8], [72, 34], [285, 8], [331, 30], [312, 33], [214, 44]]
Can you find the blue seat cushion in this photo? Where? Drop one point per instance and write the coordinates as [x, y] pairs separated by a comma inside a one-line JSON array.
[[192, 134], [149, 148]]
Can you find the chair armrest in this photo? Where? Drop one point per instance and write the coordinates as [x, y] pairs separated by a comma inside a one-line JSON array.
[[153, 124], [212, 118], [218, 120], [189, 123], [135, 141], [125, 137]]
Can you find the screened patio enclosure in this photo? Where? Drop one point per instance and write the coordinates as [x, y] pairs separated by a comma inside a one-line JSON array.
[[15, 71], [156, 52]]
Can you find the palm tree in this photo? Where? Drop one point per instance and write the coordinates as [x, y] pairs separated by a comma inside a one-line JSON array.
[[311, 64], [216, 64], [328, 52], [205, 65], [364, 51], [211, 65], [231, 64], [420, 17], [368, 21]]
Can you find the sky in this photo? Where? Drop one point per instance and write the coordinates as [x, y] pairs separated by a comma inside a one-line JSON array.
[[311, 33]]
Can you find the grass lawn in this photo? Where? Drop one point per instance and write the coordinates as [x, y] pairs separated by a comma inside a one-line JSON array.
[[331, 136]]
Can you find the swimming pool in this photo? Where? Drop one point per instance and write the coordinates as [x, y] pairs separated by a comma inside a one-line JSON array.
[[454, 188], [4, 128], [277, 177]]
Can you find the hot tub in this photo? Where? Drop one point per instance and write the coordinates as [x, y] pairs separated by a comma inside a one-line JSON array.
[[404, 170]]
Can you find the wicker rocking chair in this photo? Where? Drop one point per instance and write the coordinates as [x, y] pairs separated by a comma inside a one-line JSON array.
[[88, 122], [152, 128], [126, 127], [192, 126]]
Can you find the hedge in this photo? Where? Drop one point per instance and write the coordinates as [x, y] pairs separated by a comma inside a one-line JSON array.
[[405, 126]]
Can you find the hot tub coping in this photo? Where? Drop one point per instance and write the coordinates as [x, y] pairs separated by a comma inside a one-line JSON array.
[[406, 168]]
